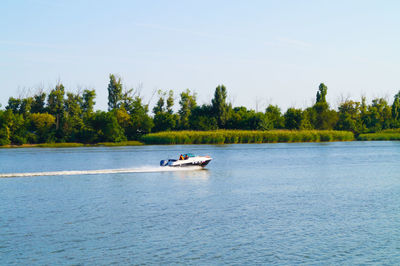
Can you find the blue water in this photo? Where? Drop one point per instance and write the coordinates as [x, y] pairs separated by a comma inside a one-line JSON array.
[[306, 203]]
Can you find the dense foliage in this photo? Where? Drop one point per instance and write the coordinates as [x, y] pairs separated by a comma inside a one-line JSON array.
[[60, 116]]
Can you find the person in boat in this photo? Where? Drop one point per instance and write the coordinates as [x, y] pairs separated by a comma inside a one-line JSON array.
[[186, 157], [181, 157]]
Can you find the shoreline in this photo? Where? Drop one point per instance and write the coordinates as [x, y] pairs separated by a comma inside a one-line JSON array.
[[220, 137], [73, 145]]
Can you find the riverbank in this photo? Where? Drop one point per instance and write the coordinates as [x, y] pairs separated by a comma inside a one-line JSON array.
[[73, 145], [231, 137]]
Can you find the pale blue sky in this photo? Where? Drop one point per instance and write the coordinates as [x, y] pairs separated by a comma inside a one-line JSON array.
[[263, 51]]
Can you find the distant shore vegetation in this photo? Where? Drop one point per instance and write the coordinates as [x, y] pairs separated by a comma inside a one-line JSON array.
[[58, 118]]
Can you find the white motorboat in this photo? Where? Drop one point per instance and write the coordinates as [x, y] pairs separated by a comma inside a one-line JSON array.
[[187, 159]]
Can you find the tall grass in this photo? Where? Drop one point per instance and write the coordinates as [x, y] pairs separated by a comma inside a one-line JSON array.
[[245, 136], [385, 135]]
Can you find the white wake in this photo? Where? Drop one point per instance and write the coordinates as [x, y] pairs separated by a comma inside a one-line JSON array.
[[104, 171]]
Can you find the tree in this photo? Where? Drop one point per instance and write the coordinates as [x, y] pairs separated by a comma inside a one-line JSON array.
[[73, 121], [17, 127], [38, 103], [123, 118], [396, 111], [4, 130], [308, 118], [350, 117], [88, 102], [220, 107], [42, 125], [379, 114], [187, 103], [159, 107], [55, 103], [26, 106], [4, 135], [104, 127], [293, 118], [14, 105], [260, 121], [114, 92], [20, 106], [164, 119], [170, 102], [127, 99], [273, 114], [201, 118], [325, 118], [241, 118], [321, 94], [141, 121]]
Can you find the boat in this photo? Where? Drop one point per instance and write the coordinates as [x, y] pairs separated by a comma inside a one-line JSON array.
[[186, 160]]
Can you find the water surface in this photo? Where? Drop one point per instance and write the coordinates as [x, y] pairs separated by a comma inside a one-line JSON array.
[[311, 203]]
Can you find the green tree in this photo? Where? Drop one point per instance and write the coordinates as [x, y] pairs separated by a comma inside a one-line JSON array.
[[308, 118], [170, 101], [187, 103], [159, 107], [42, 127], [379, 115], [20, 106], [114, 92], [73, 121], [325, 118], [4, 130], [350, 117], [104, 127], [26, 106], [293, 118], [141, 121], [88, 102], [14, 105], [38, 103], [321, 94], [55, 104], [127, 99], [260, 121], [244, 119], [17, 127], [164, 119], [273, 113], [396, 111], [221, 109], [123, 117], [239, 118], [201, 118]]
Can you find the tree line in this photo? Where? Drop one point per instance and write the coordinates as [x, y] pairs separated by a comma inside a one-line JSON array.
[[61, 116]]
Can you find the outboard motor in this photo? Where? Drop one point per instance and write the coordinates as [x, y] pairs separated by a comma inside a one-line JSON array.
[[163, 162]]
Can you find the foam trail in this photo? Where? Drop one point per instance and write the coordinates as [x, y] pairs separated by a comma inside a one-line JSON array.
[[104, 171]]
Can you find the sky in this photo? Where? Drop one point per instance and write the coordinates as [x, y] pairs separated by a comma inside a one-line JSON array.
[[264, 52]]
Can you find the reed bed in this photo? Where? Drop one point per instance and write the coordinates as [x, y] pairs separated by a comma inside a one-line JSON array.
[[385, 135], [245, 136]]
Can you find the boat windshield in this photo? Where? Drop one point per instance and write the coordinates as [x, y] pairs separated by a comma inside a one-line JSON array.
[[189, 155]]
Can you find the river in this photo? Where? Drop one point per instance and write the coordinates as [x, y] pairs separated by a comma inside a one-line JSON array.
[[297, 203]]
